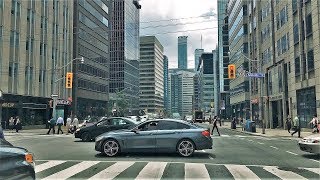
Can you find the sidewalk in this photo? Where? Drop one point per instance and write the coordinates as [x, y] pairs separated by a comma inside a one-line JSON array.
[[269, 132], [32, 131]]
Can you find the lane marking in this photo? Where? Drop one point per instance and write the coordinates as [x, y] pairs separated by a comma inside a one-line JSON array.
[[283, 174], [260, 143], [47, 165], [196, 171], [315, 160], [292, 153], [113, 170], [315, 170], [210, 157], [66, 173], [241, 172], [250, 140], [153, 170], [274, 147]]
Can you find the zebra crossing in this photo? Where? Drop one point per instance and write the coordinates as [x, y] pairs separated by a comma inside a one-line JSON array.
[[58, 169]]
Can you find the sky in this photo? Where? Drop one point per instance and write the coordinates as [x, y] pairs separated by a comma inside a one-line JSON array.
[[183, 15]]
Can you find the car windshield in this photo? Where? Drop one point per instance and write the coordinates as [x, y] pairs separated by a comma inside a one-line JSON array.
[[161, 89]]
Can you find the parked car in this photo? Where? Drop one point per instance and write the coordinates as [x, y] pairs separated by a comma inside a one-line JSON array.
[[88, 133], [162, 135], [16, 162], [310, 144]]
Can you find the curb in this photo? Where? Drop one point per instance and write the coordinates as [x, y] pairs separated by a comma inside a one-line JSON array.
[[261, 135]]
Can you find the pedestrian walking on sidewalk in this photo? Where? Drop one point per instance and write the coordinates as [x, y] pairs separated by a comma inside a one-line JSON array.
[[314, 123], [288, 123], [17, 124], [11, 123], [60, 123], [52, 123], [296, 126], [68, 124], [215, 121], [75, 123]]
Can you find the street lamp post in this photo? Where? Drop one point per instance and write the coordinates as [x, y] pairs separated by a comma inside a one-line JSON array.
[[55, 95]]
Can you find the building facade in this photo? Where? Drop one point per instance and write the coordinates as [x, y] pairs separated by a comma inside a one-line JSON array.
[[207, 83], [151, 75], [238, 45], [165, 83], [284, 41], [35, 44], [183, 52], [91, 41], [197, 55], [124, 51], [223, 59]]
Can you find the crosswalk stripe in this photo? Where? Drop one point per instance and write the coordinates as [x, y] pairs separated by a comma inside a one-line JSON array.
[[153, 170], [225, 135], [64, 174], [196, 171], [113, 170], [283, 174], [47, 165], [315, 170], [241, 172]]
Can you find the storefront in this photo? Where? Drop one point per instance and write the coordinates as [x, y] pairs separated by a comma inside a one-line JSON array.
[[306, 105]]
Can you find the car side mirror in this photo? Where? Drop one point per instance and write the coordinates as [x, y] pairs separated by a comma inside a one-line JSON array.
[[135, 130]]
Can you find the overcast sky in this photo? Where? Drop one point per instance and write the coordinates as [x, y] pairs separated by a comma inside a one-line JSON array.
[[187, 15]]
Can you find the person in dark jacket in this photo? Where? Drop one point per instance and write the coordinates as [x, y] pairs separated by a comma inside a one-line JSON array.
[[215, 119], [52, 123]]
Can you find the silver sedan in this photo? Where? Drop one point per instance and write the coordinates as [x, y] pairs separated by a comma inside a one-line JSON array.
[[164, 135], [310, 144]]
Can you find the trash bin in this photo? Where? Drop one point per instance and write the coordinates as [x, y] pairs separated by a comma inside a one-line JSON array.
[[253, 126]]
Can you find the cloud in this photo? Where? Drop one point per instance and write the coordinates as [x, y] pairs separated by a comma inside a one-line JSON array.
[[184, 15]]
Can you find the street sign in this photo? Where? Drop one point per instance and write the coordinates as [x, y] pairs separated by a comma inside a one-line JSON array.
[[256, 75]]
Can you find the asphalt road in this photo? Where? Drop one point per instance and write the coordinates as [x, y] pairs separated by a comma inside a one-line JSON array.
[[234, 155]]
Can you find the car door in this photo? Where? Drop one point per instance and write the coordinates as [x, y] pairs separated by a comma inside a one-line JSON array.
[[143, 140], [168, 135], [102, 127]]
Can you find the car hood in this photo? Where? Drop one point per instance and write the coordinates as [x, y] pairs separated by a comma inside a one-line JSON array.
[[11, 151]]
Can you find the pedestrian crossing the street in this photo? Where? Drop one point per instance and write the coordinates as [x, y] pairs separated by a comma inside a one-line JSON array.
[[57, 169]]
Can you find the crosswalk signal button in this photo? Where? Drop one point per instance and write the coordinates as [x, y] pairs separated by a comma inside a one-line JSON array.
[[69, 78], [231, 71]]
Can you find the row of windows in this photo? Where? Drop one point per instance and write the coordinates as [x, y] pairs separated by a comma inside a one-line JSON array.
[[283, 44], [92, 86], [309, 63], [89, 23], [93, 71], [266, 55], [94, 12], [102, 5], [265, 11], [282, 17], [265, 33]]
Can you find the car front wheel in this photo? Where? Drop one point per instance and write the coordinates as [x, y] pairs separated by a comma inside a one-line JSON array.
[[185, 148], [111, 147]]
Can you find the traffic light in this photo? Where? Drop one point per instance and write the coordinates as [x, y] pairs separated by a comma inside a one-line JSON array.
[[231, 71], [69, 80]]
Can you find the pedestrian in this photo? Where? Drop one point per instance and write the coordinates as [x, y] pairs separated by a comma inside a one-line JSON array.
[[288, 123], [296, 126], [314, 123], [52, 123], [18, 124], [68, 124], [75, 123], [242, 124], [11, 123], [215, 119], [60, 123]]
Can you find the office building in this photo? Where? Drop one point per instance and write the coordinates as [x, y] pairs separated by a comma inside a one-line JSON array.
[[35, 38], [91, 41], [151, 75], [165, 82], [197, 55], [124, 51], [237, 11], [183, 52], [223, 59], [181, 91]]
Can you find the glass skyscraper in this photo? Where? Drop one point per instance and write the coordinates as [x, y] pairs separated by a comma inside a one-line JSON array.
[[183, 52]]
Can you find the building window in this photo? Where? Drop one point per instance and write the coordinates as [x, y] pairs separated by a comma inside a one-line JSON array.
[[296, 34], [297, 66], [294, 6], [308, 25], [310, 60]]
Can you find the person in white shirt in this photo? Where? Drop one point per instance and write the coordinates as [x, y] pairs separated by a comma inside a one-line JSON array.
[[60, 123], [75, 123], [314, 123], [68, 124]]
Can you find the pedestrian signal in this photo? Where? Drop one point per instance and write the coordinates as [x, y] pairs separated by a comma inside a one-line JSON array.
[[69, 78], [231, 71]]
